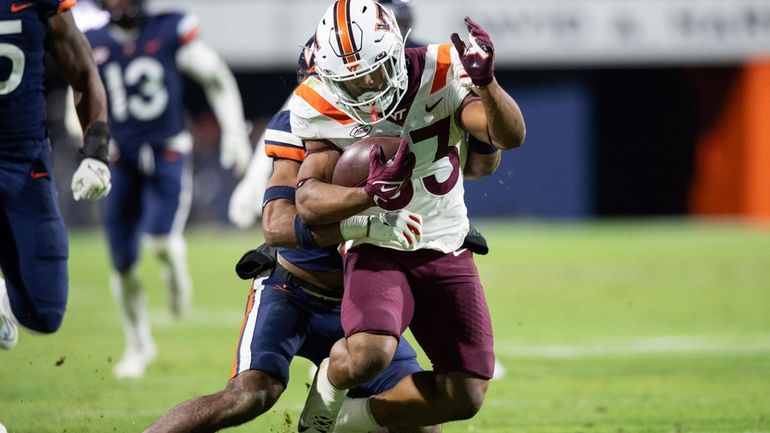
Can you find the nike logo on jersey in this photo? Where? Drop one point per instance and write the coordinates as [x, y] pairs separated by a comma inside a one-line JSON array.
[[459, 252], [18, 7], [429, 108], [386, 189]]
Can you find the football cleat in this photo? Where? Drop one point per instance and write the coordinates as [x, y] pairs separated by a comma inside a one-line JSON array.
[[322, 404], [135, 362], [9, 331]]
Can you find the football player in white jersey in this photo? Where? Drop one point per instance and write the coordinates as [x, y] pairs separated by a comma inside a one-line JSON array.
[[370, 85]]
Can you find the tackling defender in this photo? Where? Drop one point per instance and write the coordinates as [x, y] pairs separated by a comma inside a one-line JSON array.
[[33, 257], [141, 58], [435, 95], [296, 309]]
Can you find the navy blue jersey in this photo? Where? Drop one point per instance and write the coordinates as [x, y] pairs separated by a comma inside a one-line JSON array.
[[143, 83], [280, 143], [23, 29]]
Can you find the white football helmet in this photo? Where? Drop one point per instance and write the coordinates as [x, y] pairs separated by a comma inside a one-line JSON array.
[[359, 54]]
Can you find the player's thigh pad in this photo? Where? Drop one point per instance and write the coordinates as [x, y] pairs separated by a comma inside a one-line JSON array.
[[34, 252], [451, 319], [377, 296], [281, 322]]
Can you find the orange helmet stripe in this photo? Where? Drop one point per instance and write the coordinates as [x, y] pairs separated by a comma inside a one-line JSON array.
[[344, 37]]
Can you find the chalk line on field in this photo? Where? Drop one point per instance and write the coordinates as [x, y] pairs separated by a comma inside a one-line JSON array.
[[680, 344]]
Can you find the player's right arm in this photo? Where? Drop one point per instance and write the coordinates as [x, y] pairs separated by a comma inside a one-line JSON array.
[[72, 54], [283, 229], [318, 201]]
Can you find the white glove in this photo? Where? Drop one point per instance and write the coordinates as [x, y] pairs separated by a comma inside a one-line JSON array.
[[91, 180], [245, 204], [235, 152], [400, 226]]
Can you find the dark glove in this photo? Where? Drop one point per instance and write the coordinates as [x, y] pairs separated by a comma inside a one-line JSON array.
[[256, 263], [387, 178], [479, 58], [476, 242]]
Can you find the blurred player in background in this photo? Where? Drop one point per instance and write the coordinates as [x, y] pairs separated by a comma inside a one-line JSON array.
[[295, 311], [434, 95], [141, 58], [33, 256]]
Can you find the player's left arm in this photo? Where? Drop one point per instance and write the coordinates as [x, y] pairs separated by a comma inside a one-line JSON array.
[[200, 62], [494, 118], [72, 54], [482, 160]]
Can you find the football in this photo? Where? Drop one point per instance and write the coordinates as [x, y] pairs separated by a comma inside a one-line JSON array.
[[352, 168]]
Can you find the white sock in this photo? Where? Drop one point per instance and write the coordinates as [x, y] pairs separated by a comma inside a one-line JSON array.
[[330, 395], [171, 250], [355, 416], [132, 303]]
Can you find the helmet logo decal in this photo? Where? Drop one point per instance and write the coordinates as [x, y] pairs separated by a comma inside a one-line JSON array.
[[343, 26], [384, 20]]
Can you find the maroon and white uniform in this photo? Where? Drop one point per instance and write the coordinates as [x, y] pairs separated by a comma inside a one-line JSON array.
[[434, 287]]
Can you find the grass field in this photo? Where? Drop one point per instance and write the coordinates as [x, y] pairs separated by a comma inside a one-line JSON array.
[[604, 327]]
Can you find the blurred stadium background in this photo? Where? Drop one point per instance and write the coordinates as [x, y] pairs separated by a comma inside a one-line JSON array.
[[636, 110], [633, 107]]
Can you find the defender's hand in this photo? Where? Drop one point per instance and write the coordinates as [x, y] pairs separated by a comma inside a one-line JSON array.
[[478, 59], [235, 152], [256, 263], [386, 178], [91, 180]]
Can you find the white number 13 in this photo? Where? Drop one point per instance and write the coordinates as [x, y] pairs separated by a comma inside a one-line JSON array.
[[152, 98]]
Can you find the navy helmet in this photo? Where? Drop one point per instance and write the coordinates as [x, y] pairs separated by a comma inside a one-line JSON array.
[[306, 62], [125, 13], [402, 11]]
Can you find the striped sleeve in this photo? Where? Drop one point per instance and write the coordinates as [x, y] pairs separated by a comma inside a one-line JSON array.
[[280, 142]]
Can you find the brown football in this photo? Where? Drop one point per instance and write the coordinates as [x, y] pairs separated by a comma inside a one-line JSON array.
[[352, 168]]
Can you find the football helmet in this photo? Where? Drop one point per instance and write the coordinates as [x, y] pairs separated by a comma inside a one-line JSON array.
[[125, 13], [402, 12], [306, 61], [359, 54]]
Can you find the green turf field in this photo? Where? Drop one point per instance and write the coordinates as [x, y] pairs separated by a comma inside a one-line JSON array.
[[613, 327]]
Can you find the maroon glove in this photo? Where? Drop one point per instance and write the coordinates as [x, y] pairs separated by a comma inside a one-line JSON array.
[[478, 58], [387, 178]]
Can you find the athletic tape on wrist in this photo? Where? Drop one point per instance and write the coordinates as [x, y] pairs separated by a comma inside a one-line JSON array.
[[279, 192], [96, 142]]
